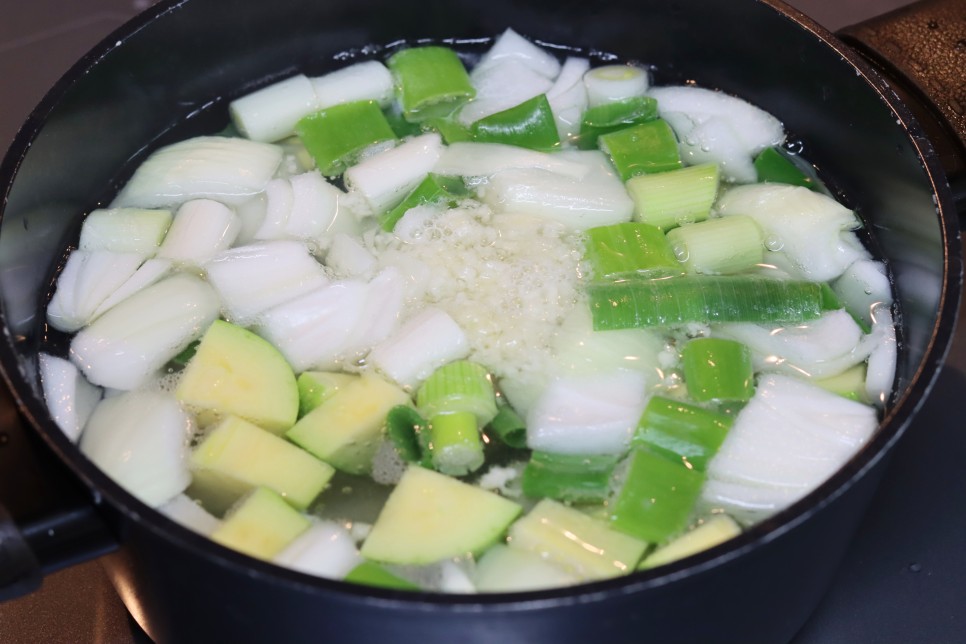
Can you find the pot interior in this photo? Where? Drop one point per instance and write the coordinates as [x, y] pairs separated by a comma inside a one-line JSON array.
[[171, 73]]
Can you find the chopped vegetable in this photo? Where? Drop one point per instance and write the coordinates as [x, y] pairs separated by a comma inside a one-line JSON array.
[[629, 248], [337, 135], [646, 148], [572, 478], [527, 125], [261, 525], [722, 245], [669, 199], [431, 80], [717, 369], [608, 117], [681, 432]]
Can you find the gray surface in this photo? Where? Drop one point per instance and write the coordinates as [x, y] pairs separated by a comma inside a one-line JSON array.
[[901, 582]]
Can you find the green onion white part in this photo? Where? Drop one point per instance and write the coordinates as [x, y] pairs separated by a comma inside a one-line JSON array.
[[270, 114], [612, 83], [386, 178], [366, 81], [719, 246], [229, 170]]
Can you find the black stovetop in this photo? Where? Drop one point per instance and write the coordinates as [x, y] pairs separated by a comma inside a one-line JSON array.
[[903, 577]]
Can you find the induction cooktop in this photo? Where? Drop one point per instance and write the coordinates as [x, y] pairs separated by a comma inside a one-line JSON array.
[[903, 579]]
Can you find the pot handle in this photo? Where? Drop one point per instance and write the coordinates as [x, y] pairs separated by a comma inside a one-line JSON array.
[[48, 519], [921, 49]]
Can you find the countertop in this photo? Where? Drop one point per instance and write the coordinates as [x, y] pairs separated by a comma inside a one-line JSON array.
[[902, 579]]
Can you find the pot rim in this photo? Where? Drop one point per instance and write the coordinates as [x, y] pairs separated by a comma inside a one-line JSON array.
[[891, 428]]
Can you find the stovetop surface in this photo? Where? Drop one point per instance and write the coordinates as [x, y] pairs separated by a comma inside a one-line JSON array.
[[902, 579]]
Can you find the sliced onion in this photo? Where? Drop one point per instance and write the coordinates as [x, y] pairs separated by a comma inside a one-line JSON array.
[[715, 141], [125, 230], [512, 46], [88, 278], [597, 199], [486, 159], [147, 274], [124, 347], [864, 287], [201, 229], [381, 311], [587, 414], [278, 207], [325, 550], [251, 279], [313, 331], [881, 372], [315, 204], [421, 345], [756, 129], [568, 97], [140, 440], [817, 349], [502, 85], [190, 514], [787, 440], [808, 232], [230, 170], [69, 397]]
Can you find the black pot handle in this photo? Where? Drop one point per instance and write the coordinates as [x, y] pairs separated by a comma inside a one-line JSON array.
[[48, 519], [921, 49]]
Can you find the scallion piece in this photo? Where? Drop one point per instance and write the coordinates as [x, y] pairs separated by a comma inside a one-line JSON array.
[[431, 82], [455, 443], [646, 148], [774, 166], [458, 387], [718, 369], [681, 432], [409, 434], [636, 303], [656, 496], [572, 478], [530, 124], [399, 124], [372, 574], [450, 129], [433, 189], [668, 199], [509, 427], [719, 246], [609, 117], [628, 248], [336, 135]]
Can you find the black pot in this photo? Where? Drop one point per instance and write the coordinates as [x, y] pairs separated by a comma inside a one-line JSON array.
[[183, 60]]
